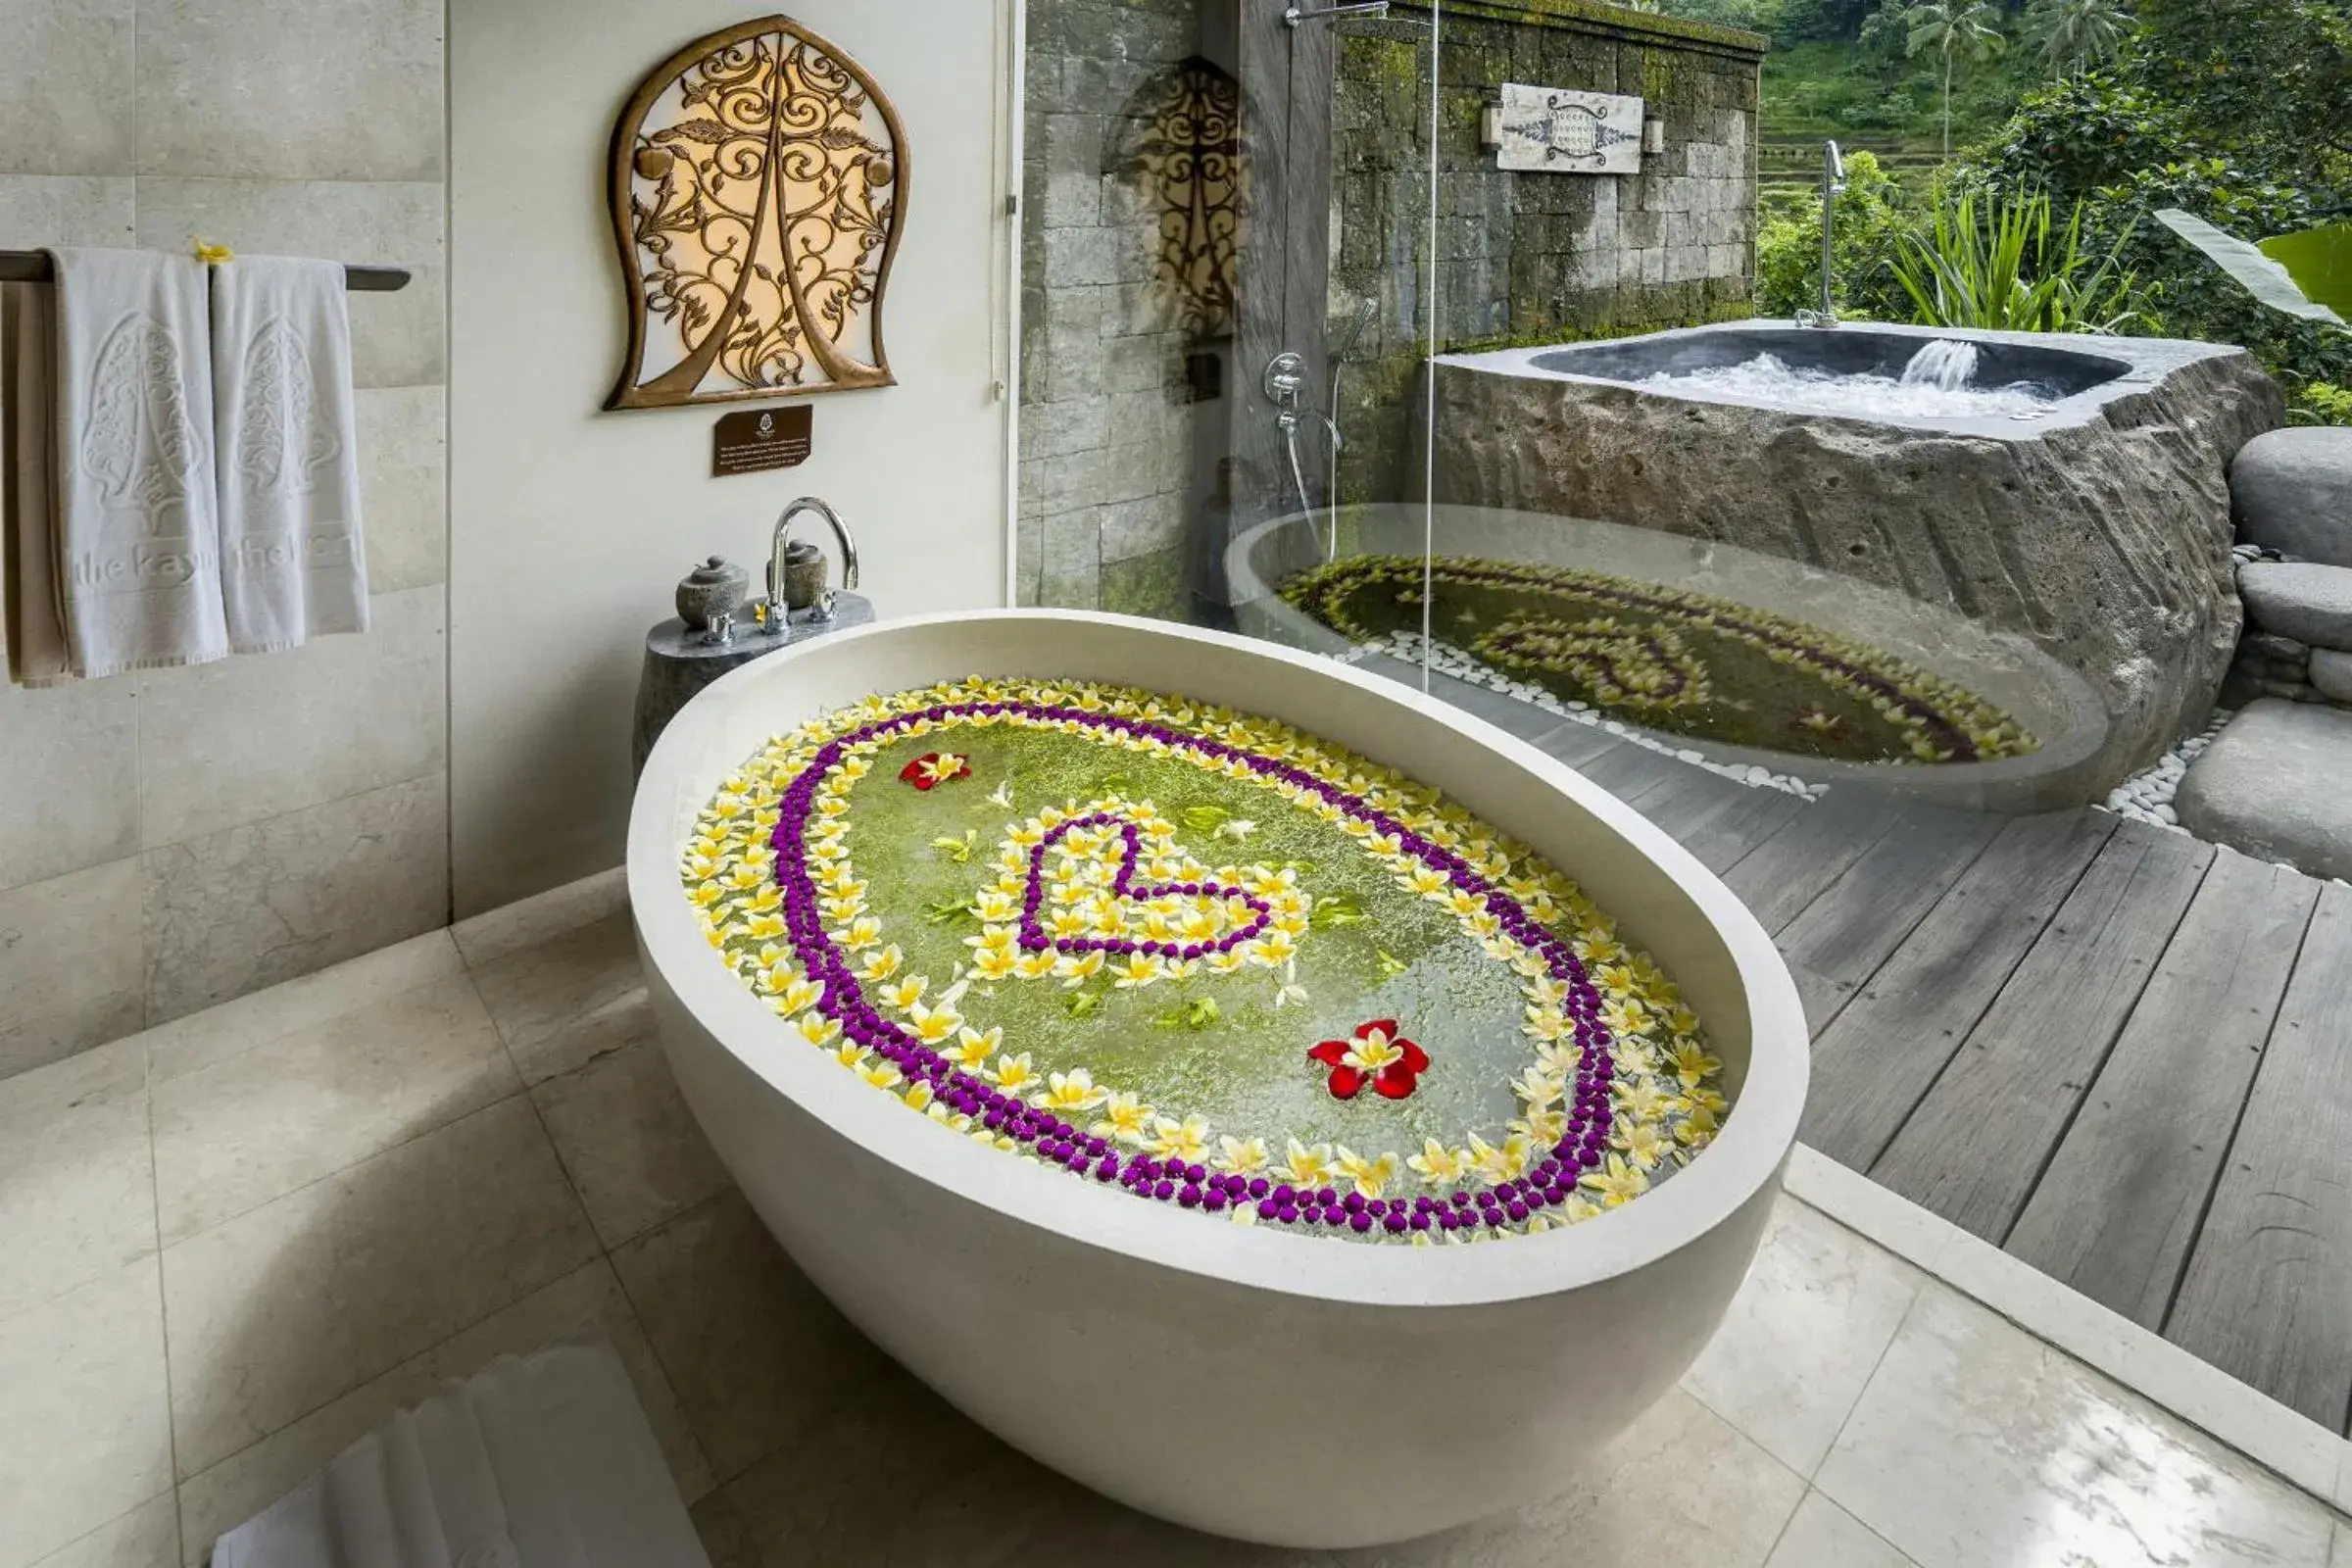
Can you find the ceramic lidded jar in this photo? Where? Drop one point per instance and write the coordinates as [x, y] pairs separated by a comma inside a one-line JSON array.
[[712, 589]]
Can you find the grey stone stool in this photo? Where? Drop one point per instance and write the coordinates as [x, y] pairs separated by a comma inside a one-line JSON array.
[[679, 663]]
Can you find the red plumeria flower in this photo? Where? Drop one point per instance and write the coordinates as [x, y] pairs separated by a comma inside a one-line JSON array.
[[1378, 1055], [934, 768]]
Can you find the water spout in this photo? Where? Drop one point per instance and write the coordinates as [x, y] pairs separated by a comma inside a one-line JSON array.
[[1946, 364]]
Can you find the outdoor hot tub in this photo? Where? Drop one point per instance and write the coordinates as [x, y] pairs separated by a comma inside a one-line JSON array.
[[1141, 1342], [2070, 490]]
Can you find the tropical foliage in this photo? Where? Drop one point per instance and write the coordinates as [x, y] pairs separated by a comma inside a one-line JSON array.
[[2002, 264], [1954, 30]]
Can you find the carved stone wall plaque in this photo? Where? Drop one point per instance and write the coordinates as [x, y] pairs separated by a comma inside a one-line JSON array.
[[758, 179], [1556, 130]]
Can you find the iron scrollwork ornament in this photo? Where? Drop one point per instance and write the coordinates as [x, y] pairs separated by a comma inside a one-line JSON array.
[[1184, 162], [759, 180]]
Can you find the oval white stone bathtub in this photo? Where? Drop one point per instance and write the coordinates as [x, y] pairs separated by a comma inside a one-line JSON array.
[[1179, 1365]]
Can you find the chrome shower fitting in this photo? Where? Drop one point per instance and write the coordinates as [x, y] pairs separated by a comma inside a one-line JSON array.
[[1295, 17], [1832, 181]]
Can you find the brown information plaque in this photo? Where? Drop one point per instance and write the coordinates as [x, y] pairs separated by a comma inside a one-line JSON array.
[[759, 439]]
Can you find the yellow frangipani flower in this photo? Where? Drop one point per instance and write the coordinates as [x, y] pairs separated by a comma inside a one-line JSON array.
[[1643, 1143], [908, 992], [1077, 968], [1013, 1074], [992, 964], [1641, 1100], [1141, 969], [934, 1025], [972, 1049], [1186, 1140], [1501, 1162], [1125, 1117], [882, 963], [1371, 1176], [1438, 1164], [881, 1074], [818, 1030], [860, 933], [1240, 1157], [918, 1094], [1691, 1063], [1037, 965], [1305, 1166], [1070, 1091], [1616, 1183]]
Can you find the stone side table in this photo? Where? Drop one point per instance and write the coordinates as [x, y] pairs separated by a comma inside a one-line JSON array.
[[679, 663]]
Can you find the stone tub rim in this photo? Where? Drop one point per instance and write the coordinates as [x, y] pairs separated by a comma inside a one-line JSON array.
[[728, 721]]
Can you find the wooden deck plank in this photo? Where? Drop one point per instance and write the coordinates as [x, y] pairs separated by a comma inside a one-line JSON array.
[[1691, 800], [1722, 838], [2268, 1296], [2119, 1207], [1878, 1061], [1853, 928], [1630, 772], [1783, 874], [1980, 1137]]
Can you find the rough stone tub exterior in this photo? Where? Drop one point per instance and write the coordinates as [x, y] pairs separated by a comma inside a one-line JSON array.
[[2101, 530]]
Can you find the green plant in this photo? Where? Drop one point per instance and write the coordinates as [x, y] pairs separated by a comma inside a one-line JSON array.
[[2321, 403], [2076, 35], [1955, 30], [1870, 218], [2005, 266]]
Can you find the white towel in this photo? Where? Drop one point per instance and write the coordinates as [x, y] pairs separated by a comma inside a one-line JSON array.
[[36, 629], [138, 531], [293, 565]]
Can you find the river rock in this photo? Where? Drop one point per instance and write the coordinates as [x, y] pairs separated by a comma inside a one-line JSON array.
[[2292, 492], [2102, 536], [2271, 784], [2332, 674], [2302, 600]]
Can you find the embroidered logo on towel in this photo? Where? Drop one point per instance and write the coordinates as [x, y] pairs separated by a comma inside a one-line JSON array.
[[139, 444], [281, 442]]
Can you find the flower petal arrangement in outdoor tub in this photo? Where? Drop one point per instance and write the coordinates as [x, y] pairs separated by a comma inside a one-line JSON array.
[[1667, 659], [1201, 959]]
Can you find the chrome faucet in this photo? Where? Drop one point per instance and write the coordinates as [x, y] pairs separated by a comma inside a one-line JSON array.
[[1296, 16], [778, 613], [1832, 181]]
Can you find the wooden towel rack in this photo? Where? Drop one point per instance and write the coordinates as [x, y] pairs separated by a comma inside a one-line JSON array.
[[32, 266]]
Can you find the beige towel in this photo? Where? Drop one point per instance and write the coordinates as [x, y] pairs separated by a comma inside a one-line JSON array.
[[292, 564], [37, 631], [138, 530]]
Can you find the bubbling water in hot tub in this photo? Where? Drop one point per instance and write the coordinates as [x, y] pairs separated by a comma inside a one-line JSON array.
[[1938, 383]]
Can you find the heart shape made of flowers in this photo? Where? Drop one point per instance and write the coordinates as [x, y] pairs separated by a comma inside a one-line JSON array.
[[1112, 911]]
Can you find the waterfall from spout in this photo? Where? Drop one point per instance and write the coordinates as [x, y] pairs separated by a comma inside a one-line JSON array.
[[1947, 365]]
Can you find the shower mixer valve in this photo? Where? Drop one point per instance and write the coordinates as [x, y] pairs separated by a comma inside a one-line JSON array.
[[1285, 385]]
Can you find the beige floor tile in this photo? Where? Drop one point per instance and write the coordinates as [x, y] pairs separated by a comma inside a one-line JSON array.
[[633, 1150], [1824, 1536], [147, 1537], [566, 1000], [256, 1125], [757, 1355], [85, 1429], [1681, 1490], [726, 1540], [1975, 1443], [300, 1301], [528, 923], [194, 1043], [1804, 1335], [585, 1303], [76, 1181]]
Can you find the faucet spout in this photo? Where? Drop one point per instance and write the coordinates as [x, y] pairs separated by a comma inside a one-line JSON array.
[[1832, 181], [781, 542]]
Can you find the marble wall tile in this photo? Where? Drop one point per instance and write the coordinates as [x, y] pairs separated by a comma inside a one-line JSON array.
[[1804, 1335], [1824, 1536], [76, 1180], [70, 964], [263, 903], [66, 68], [585, 1304], [305, 1298], [404, 486], [308, 1103], [757, 1355], [37, 210], [247, 738], [269, 91], [569, 1000], [633, 1149], [1975, 1443], [396, 339], [70, 777], [85, 1425], [542, 918], [147, 1537]]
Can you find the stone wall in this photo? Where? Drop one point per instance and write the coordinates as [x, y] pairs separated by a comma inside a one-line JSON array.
[[172, 839], [1120, 446]]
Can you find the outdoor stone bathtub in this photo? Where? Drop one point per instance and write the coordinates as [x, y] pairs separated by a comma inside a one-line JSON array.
[[1164, 1360], [2098, 528]]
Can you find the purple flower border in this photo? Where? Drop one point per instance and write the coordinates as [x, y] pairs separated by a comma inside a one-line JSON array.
[[1057, 1142]]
